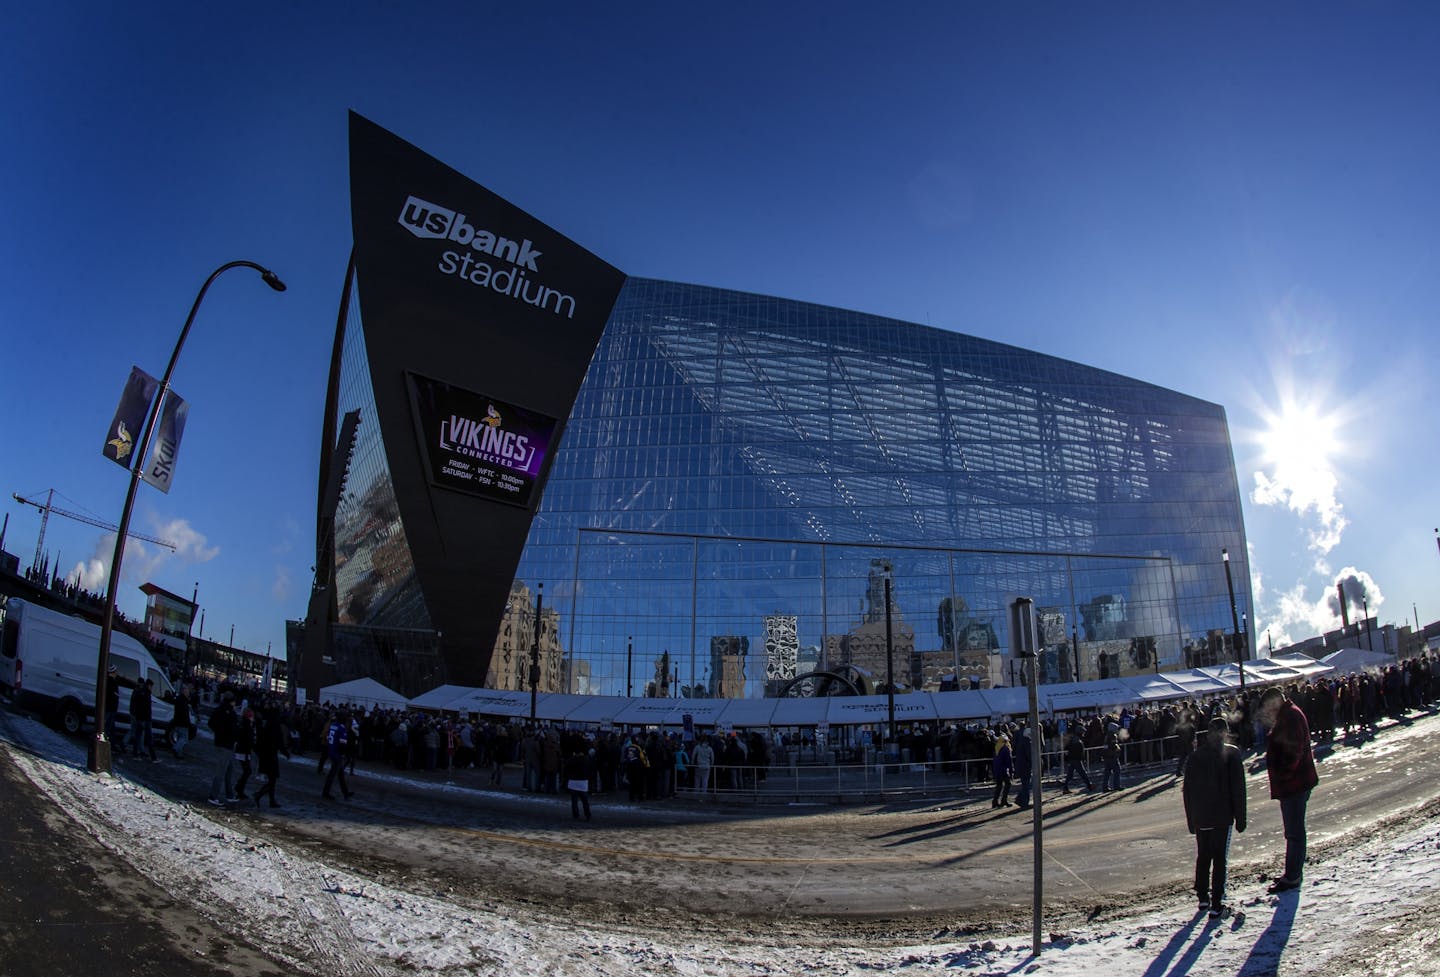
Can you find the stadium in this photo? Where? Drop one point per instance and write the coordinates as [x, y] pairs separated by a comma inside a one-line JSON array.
[[720, 495]]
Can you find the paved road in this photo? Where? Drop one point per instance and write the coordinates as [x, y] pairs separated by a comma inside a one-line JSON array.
[[911, 862]]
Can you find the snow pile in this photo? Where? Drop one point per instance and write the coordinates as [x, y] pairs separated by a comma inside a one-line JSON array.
[[1364, 911]]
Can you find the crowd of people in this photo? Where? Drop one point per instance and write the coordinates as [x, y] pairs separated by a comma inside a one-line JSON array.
[[251, 728]]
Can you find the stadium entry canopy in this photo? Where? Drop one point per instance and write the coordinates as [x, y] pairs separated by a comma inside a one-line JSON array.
[[867, 710], [363, 692]]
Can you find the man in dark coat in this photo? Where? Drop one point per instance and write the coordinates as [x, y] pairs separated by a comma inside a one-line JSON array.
[[1290, 762], [337, 737], [142, 738], [1214, 794], [180, 733]]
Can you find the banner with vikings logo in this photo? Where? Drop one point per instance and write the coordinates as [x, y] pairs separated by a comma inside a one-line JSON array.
[[125, 426], [478, 444]]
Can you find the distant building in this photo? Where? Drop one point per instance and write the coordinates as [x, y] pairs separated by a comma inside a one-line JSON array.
[[782, 650], [727, 666], [168, 617]]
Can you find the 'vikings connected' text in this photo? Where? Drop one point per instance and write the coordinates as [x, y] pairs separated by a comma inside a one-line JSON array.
[[481, 440]]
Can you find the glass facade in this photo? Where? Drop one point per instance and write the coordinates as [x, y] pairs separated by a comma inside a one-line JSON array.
[[742, 476], [374, 570], [732, 458]]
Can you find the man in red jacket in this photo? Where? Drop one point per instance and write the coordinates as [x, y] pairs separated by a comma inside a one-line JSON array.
[[1291, 764]]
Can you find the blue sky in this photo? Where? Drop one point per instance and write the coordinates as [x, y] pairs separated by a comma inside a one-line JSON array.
[[1237, 203]]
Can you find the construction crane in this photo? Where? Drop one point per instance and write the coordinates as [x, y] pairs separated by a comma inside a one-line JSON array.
[[47, 507]]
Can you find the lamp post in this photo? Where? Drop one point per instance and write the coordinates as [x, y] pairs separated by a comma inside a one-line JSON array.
[[886, 568], [1234, 620], [190, 633], [535, 650], [629, 661], [98, 756], [1369, 637]]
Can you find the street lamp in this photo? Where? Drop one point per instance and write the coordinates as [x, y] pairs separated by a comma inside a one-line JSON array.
[[98, 756], [190, 633], [535, 650], [1234, 620], [886, 568], [629, 661]]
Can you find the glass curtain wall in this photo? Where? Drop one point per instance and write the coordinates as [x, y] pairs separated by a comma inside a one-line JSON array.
[[767, 451]]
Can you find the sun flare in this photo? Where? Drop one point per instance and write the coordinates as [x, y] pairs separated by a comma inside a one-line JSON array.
[[1299, 441]]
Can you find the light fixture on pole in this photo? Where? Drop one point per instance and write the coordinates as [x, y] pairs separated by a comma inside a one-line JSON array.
[[98, 756], [1234, 619], [535, 650], [629, 662]]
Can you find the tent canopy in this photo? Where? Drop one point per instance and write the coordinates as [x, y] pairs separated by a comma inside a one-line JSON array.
[[364, 692], [1147, 689], [1356, 660]]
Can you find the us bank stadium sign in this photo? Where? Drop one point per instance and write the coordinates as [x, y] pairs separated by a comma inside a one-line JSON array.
[[477, 444]]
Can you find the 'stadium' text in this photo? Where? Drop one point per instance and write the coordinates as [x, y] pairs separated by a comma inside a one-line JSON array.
[[507, 281]]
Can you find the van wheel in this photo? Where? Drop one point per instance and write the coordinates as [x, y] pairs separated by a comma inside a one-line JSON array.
[[71, 717]]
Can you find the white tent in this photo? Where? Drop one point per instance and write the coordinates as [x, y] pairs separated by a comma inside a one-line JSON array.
[[1065, 696], [975, 704], [490, 702], [440, 699], [364, 692], [1357, 660], [749, 713], [848, 710]]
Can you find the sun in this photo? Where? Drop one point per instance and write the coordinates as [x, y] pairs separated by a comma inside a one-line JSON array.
[[1300, 441]]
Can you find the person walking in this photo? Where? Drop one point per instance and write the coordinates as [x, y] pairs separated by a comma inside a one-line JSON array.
[[577, 781], [1075, 763], [1110, 780], [270, 735], [337, 735], [1214, 797], [1003, 767], [142, 703], [222, 723], [180, 732], [1290, 763], [1024, 768], [244, 745]]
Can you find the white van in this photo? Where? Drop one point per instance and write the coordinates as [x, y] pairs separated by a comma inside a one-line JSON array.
[[48, 661]]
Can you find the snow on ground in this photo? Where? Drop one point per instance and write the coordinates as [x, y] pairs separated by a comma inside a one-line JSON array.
[[1368, 909]]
